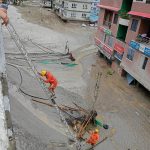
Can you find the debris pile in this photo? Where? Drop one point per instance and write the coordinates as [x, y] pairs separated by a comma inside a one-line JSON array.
[[78, 118]]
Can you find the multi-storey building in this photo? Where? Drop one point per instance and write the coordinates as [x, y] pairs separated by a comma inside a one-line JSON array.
[[77, 9], [123, 36], [94, 11]]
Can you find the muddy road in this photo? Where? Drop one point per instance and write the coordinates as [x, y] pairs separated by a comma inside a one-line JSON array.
[[37, 127]]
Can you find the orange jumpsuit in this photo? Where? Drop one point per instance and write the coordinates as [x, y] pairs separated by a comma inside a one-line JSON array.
[[52, 80], [94, 138]]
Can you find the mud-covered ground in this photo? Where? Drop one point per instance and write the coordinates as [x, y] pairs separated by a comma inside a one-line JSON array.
[[125, 108], [37, 127]]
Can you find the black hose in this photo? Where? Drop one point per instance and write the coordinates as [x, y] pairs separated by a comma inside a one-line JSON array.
[[21, 80]]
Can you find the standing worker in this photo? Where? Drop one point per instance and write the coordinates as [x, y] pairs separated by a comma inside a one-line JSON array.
[[3, 12], [94, 137], [49, 79]]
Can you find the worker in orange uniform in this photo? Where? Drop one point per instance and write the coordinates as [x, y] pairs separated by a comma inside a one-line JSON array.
[[49, 79], [94, 137]]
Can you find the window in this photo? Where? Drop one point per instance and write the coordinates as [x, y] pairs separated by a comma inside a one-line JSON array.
[[134, 25], [74, 5], [147, 1], [108, 18], [83, 15], [130, 54], [84, 6], [115, 19], [110, 41], [73, 14], [145, 63], [118, 55]]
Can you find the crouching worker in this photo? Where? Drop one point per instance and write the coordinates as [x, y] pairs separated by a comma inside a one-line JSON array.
[[94, 137], [49, 79]]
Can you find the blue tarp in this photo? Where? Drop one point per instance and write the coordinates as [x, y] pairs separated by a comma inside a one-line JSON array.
[[93, 18], [129, 78], [147, 51], [134, 45]]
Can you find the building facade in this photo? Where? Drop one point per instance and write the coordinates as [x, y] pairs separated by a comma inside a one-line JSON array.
[[77, 9], [123, 36]]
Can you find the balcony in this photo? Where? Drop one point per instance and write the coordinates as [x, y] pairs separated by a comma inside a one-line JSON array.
[[107, 24], [144, 48]]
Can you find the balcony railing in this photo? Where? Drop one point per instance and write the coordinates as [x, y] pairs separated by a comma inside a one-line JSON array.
[[107, 24]]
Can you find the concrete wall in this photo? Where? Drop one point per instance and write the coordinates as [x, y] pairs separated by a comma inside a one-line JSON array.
[[134, 68], [141, 7], [101, 17], [75, 15], [112, 3], [7, 141]]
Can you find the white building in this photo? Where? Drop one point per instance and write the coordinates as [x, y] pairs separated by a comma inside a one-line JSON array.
[[74, 9]]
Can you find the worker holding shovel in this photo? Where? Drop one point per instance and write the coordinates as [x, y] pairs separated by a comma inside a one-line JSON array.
[[49, 79]]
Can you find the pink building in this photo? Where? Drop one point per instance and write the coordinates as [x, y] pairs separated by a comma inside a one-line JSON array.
[[123, 37]]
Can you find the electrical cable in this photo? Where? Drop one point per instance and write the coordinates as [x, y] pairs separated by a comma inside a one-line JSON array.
[[21, 81], [43, 48]]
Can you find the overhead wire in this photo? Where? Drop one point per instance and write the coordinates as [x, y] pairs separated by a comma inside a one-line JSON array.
[[50, 51], [21, 81]]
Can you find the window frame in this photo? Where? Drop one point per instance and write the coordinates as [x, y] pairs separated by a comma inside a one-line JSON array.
[[74, 5], [134, 25], [84, 15], [130, 54], [145, 63], [73, 15], [115, 20], [84, 6]]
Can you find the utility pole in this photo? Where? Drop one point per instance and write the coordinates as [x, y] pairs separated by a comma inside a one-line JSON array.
[[96, 90]]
